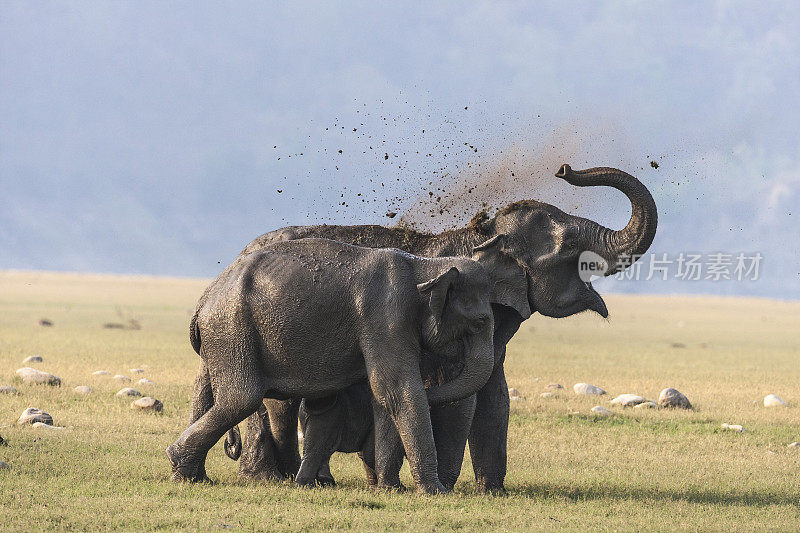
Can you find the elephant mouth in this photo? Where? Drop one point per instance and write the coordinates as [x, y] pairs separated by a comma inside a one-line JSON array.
[[596, 302], [590, 300]]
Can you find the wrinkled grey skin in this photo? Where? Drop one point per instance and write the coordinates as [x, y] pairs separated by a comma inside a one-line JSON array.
[[340, 423], [310, 317], [537, 272]]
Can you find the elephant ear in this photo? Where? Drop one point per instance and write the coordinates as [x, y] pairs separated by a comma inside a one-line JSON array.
[[510, 286], [436, 290]]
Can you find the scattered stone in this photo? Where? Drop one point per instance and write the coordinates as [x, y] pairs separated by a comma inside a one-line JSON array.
[[120, 377], [554, 386], [33, 359], [45, 322], [4, 466], [42, 425], [732, 427], [771, 400], [673, 398], [649, 404], [628, 400], [678, 345], [32, 415], [127, 391], [547, 395], [513, 392], [794, 445], [147, 404], [601, 411], [101, 373], [37, 377], [8, 389], [145, 381], [137, 371], [83, 389], [516, 398], [585, 388]]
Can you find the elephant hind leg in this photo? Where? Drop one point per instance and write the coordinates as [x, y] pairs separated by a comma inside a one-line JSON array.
[[235, 394], [202, 395], [188, 453]]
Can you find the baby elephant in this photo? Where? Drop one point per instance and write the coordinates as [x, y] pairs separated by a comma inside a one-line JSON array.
[[340, 423], [308, 318]]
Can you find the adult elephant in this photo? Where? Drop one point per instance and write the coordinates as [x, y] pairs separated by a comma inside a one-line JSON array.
[[537, 272]]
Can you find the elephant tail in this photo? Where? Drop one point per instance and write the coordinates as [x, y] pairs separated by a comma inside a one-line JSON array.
[[194, 332], [233, 443]]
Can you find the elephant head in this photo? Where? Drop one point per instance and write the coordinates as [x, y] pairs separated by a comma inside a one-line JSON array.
[[537, 268], [459, 328]]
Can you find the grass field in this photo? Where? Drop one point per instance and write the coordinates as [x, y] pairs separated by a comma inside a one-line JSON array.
[[651, 470]]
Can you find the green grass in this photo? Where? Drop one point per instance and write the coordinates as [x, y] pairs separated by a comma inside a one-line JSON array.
[[651, 470]]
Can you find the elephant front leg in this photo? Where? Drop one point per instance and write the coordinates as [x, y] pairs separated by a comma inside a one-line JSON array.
[[489, 434], [451, 428], [388, 452], [407, 404]]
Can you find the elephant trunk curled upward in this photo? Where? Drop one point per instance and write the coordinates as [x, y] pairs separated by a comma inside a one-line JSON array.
[[310, 317]]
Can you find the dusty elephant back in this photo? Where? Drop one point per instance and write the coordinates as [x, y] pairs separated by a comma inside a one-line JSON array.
[[309, 301]]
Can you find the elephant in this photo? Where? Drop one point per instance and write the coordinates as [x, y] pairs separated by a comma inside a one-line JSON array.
[[536, 271], [339, 423], [310, 317]]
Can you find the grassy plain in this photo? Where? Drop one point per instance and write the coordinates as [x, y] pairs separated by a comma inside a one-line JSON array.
[[568, 470]]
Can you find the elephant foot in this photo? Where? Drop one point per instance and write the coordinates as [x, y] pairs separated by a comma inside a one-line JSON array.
[[183, 472], [495, 489], [262, 475], [318, 482], [326, 481], [386, 487], [432, 488]]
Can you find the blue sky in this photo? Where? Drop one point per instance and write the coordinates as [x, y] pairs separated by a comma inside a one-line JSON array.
[[145, 137]]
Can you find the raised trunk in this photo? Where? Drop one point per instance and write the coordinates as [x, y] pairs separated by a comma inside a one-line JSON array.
[[478, 366], [636, 237]]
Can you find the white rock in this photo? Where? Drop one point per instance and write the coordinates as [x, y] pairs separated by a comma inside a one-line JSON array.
[[771, 400], [794, 445], [601, 411], [101, 373], [127, 391], [513, 392], [33, 359], [8, 389], [554, 386], [37, 377], [124, 379], [145, 381], [516, 398], [628, 400], [42, 425], [83, 389], [147, 404], [137, 371], [649, 404], [4, 466], [732, 427], [673, 398], [547, 395], [32, 415], [585, 388]]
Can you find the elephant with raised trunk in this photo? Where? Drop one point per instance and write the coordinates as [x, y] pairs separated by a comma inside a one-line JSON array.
[[310, 317], [537, 271]]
